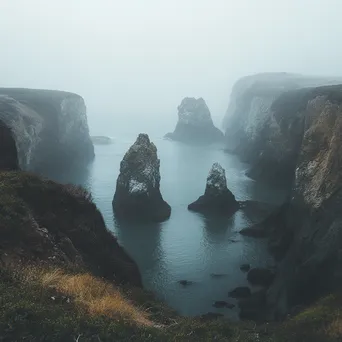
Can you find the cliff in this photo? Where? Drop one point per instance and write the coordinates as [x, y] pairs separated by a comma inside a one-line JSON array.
[[195, 125], [42, 221], [252, 118], [299, 144], [309, 229], [49, 129]]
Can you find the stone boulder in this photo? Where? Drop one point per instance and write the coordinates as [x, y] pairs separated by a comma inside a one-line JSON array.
[[195, 124], [137, 196], [217, 199]]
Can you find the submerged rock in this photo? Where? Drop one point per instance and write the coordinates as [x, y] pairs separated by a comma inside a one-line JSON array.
[[217, 199], [240, 292], [245, 267], [137, 195], [223, 304], [195, 124], [217, 275], [185, 282]]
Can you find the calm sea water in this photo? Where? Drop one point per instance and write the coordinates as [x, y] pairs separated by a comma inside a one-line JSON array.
[[187, 246]]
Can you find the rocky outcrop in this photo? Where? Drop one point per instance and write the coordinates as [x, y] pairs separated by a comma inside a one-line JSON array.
[[313, 218], [217, 198], [195, 124], [101, 140], [301, 138], [261, 114], [49, 129], [52, 224], [137, 194]]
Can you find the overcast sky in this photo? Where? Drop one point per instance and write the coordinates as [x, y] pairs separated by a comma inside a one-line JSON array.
[[142, 57]]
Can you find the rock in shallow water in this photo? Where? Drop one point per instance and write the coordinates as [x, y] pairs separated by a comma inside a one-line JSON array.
[[223, 304], [101, 140], [245, 267], [137, 196], [217, 198], [240, 292], [195, 124]]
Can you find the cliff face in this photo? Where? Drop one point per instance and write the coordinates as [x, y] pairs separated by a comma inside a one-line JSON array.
[[312, 231], [299, 143], [49, 128], [52, 224], [255, 119]]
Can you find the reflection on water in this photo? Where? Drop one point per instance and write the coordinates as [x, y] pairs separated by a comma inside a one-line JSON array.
[[215, 229], [142, 239], [188, 246]]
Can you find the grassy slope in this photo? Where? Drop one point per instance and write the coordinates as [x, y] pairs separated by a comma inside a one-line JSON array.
[[45, 301]]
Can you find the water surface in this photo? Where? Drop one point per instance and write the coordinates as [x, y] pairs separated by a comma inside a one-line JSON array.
[[187, 246]]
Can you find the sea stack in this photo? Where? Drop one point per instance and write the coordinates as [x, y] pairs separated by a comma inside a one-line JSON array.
[[137, 196], [195, 124], [217, 199]]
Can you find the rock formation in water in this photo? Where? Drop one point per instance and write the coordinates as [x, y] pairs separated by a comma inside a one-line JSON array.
[[101, 140], [301, 138], [195, 124], [217, 198], [253, 120], [137, 194], [48, 129]]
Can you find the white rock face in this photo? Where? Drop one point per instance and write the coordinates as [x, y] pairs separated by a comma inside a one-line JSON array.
[[49, 127], [194, 112], [26, 126], [216, 180]]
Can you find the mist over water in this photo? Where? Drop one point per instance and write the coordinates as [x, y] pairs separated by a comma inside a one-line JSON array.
[[187, 246]]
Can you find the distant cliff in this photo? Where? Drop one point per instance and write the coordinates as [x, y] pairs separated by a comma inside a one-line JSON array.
[[298, 141], [250, 118], [49, 129]]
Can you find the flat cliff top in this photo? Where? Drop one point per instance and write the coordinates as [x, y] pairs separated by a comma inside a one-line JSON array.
[[27, 93]]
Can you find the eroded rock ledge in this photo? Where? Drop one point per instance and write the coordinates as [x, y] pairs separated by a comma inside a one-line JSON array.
[[137, 195], [301, 138], [49, 128], [217, 198], [195, 124]]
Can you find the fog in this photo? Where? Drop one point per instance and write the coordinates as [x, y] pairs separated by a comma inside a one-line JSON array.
[[140, 58]]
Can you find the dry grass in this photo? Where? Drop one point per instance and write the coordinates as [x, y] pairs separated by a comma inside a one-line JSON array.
[[96, 296], [335, 328]]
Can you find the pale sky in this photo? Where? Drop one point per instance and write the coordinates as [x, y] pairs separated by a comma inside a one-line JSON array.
[[141, 57]]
